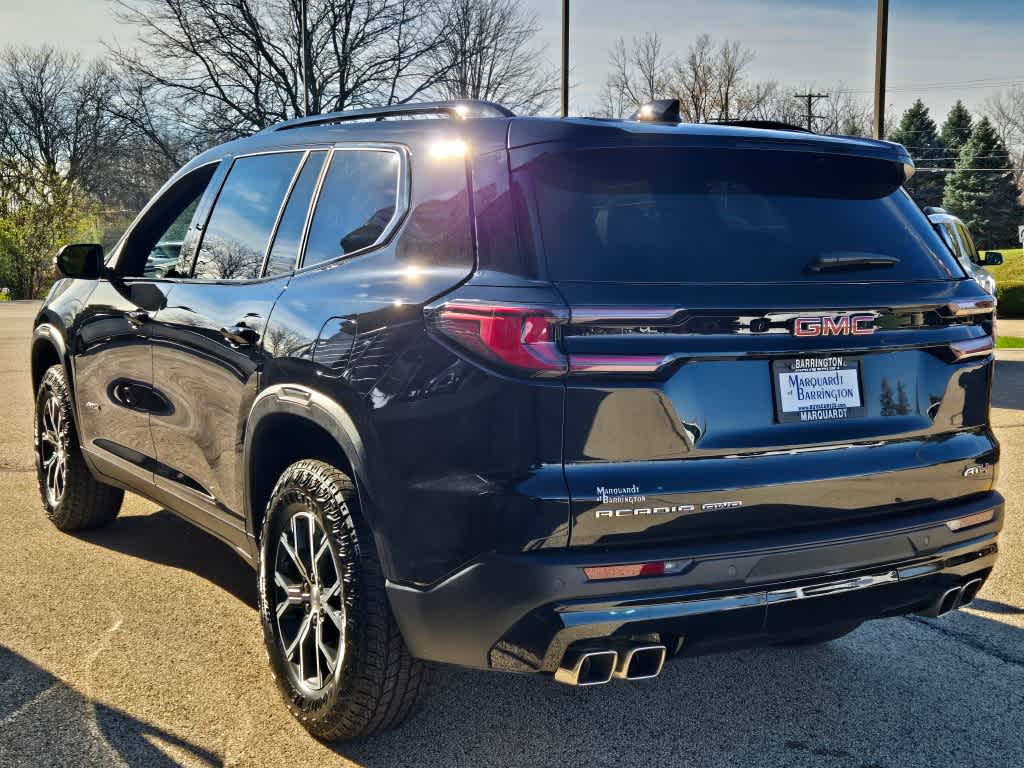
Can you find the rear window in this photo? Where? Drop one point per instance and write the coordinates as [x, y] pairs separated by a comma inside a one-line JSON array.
[[710, 215]]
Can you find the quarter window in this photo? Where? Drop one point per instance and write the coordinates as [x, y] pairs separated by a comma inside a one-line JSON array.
[[244, 215], [357, 203]]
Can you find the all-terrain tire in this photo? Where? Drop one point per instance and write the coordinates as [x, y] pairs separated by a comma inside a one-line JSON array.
[[79, 501], [377, 684]]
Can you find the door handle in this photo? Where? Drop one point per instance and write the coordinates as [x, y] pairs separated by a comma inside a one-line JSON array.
[[137, 317], [240, 335]]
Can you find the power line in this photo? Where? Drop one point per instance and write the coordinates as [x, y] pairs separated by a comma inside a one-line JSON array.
[[811, 99]]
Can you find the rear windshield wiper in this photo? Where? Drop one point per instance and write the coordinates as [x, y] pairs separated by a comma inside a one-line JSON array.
[[851, 260]]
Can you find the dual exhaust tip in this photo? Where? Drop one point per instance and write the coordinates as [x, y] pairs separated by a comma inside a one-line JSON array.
[[584, 667], [957, 597]]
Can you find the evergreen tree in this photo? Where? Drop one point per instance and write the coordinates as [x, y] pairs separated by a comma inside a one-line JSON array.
[[981, 190], [917, 132], [886, 401], [956, 131]]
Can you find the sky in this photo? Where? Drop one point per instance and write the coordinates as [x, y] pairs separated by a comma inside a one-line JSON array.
[[940, 50]]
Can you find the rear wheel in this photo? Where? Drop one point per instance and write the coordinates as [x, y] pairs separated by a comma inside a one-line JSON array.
[[72, 497], [335, 649], [826, 635]]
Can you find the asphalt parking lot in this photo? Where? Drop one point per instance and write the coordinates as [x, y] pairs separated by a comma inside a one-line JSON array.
[[139, 645]]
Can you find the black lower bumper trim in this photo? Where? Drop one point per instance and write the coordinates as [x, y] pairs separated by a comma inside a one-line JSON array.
[[521, 613]]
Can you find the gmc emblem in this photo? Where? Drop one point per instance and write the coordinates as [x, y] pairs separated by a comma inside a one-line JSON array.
[[847, 325]]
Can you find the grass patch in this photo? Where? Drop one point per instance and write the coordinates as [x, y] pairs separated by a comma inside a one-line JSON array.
[[1009, 342], [1012, 268]]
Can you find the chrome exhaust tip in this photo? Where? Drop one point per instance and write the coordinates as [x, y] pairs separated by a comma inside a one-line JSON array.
[[949, 601], [970, 591], [946, 603], [581, 668], [641, 662]]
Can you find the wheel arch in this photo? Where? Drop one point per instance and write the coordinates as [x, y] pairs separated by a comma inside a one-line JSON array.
[[48, 349], [289, 422]]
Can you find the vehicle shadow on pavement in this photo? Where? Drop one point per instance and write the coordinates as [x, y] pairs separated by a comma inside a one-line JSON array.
[[44, 722], [163, 537], [893, 694], [1008, 385]]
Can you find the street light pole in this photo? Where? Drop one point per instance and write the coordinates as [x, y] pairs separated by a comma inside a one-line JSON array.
[[881, 53], [565, 58], [304, 55]]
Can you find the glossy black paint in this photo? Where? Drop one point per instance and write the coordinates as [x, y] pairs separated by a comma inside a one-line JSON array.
[[194, 392]]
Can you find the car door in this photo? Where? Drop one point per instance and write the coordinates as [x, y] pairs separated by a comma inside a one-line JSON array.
[[112, 356], [208, 338]]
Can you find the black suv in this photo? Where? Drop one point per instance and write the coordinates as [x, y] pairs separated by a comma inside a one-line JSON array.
[[564, 396]]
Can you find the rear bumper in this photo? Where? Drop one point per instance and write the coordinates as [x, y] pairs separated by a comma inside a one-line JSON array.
[[521, 612]]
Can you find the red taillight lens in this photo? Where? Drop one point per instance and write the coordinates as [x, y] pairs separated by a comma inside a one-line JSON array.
[[519, 337]]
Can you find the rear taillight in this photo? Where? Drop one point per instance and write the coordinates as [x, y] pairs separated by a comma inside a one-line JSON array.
[[522, 338]]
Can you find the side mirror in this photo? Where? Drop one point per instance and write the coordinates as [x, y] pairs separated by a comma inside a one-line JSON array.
[[991, 259], [82, 261]]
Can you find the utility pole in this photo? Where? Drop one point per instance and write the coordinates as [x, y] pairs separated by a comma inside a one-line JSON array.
[[304, 55], [881, 53], [565, 58], [811, 98]]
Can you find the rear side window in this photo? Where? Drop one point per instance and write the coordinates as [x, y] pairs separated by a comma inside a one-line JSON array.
[[357, 204], [284, 253], [238, 232], [721, 215]]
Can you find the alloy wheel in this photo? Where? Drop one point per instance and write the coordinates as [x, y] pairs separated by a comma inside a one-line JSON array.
[[54, 443], [309, 602]]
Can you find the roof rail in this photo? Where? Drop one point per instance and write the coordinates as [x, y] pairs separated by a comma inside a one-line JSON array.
[[457, 110], [770, 125]]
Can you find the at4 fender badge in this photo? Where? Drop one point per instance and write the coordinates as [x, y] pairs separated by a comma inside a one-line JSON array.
[[977, 470]]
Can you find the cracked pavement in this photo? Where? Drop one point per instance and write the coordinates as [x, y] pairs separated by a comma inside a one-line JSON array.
[[139, 645]]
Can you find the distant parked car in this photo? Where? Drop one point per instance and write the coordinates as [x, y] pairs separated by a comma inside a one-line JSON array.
[[954, 233]]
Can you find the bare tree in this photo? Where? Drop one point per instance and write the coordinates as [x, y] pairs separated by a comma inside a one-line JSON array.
[[639, 73], [484, 51], [710, 82], [233, 66], [53, 116], [1005, 110]]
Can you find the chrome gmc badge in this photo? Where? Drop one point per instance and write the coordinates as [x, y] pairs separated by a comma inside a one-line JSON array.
[[844, 325]]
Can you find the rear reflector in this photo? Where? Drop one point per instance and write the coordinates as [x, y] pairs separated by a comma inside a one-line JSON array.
[[971, 520], [962, 350], [616, 363], [634, 570]]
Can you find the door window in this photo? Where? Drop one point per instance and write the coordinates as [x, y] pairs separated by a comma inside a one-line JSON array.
[[243, 218], [284, 253], [357, 205], [152, 248]]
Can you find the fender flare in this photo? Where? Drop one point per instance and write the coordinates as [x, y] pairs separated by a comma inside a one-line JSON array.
[[321, 411], [48, 333]]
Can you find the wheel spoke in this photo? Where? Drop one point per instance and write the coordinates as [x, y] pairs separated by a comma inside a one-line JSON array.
[[294, 558], [329, 656], [300, 636], [337, 617], [314, 569]]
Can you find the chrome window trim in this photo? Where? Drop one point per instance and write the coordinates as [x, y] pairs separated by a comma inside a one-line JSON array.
[[303, 152]]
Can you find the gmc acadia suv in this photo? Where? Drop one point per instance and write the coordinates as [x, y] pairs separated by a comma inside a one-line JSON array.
[[566, 396]]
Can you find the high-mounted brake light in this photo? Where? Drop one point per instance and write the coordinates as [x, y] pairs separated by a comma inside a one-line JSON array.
[[520, 337]]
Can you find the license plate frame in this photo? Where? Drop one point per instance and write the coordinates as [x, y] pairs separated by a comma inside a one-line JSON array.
[[823, 365]]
